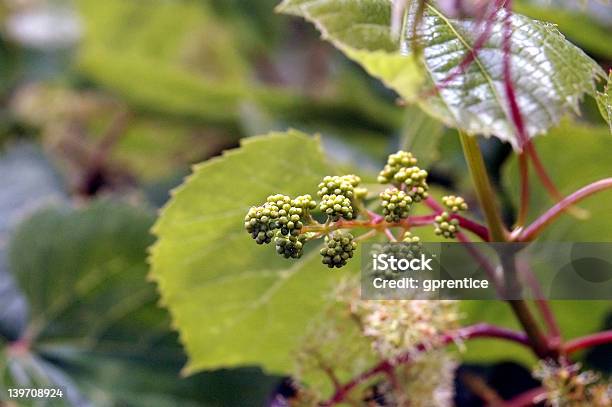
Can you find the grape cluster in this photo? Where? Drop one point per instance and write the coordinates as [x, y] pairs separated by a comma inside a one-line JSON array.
[[395, 162], [454, 203], [288, 217], [415, 180], [305, 202], [261, 221], [400, 169], [279, 212], [290, 247], [339, 247], [337, 193], [289, 222], [396, 204], [446, 225]]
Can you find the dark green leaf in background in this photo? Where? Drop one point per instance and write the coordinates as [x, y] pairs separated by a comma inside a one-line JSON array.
[[94, 326]]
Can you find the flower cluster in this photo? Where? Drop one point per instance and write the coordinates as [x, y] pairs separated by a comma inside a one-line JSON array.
[[401, 170], [339, 247], [395, 326], [279, 215], [396, 204], [567, 385], [454, 203], [445, 224], [337, 194], [342, 205]]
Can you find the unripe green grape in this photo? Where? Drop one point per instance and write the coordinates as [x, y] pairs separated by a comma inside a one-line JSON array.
[[396, 204], [337, 193], [294, 215], [454, 203], [415, 180], [339, 248], [260, 223], [290, 247], [305, 202], [395, 162], [336, 185], [446, 226], [352, 179], [279, 212]]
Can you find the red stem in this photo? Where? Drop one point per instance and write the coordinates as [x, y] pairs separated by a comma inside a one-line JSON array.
[[466, 333], [541, 302], [484, 263], [524, 175], [547, 181], [416, 221], [515, 110], [600, 338], [476, 228], [434, 205], [554, 212], [528, 398], [517, 117]]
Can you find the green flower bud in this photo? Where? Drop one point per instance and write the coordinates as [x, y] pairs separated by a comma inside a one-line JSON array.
[[454, 203], [290, 247], [396, 204], [395, 162], [339, 247], [446, 226]]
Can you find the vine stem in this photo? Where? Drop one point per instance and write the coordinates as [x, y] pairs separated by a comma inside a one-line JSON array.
[[377, 222], [541, 302], [549, 185], [524, 176], [554, 212], [484, 191], [466, 333], [577, 344]]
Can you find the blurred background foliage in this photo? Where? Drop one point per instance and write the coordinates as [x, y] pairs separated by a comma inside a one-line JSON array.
[[105, 105]]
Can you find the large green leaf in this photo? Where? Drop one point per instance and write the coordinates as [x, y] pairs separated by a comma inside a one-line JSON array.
[[234, 302], [550, 74]]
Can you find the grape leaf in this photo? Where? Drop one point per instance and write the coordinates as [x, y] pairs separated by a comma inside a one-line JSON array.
[[549, 73], [588, 26], [234, 302], [604, 102]]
